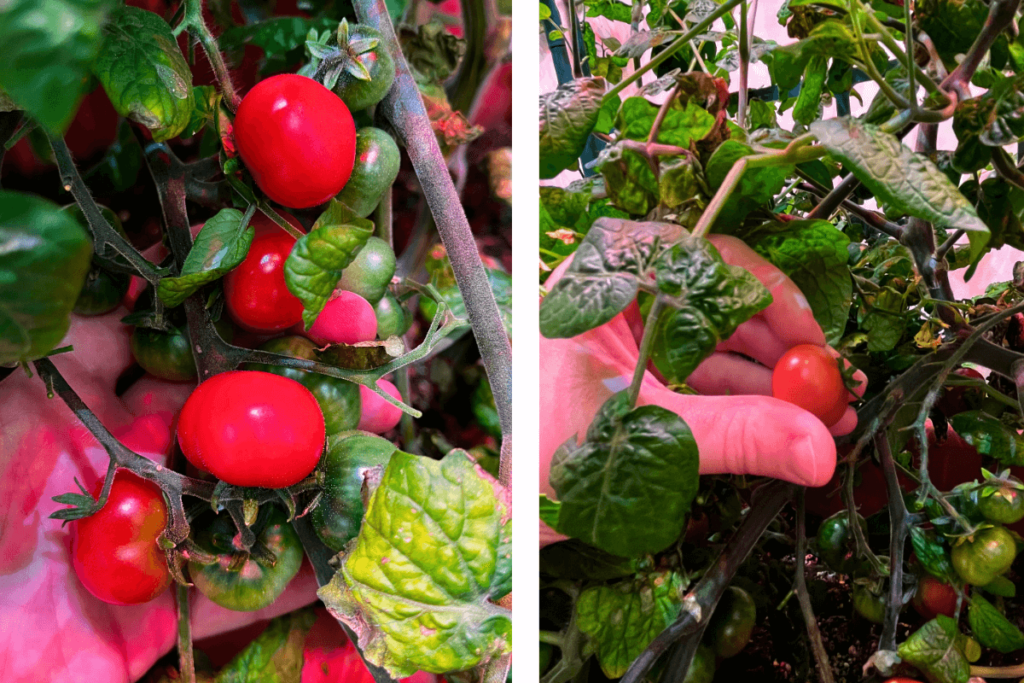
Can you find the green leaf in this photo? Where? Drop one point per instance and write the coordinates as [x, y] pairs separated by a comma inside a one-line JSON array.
[[933, 553], [882, 318], [1000, 586], [313, 269], [545, 13], [808, 102], [602, 279], [207, 101], [144, 73], [813, 253], [990, 436], [276, 36], [628, 178], [709, 300], [44, 257], [549, 511], [275, 656], [1001, 206], [220, 246], [991, 628], [761, 115], [933, 650], [122, 162], [830, 39], [630, 458], [610, 9], [757, 187], [907, 181], [622, 620], [433, 551], [681, 127], [951, 24], [567, 116], [48, 47]]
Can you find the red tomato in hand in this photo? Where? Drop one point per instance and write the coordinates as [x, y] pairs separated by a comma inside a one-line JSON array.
[[808, 376], [115, 552], [346, 319], [933, 597], [255, 292], [252, 428], [297, 138], [378, 416]]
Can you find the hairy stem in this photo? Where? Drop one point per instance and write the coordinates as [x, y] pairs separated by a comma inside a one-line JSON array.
[[898, 531], [813, 632], [186, 657], [196, 26], [646, 345]]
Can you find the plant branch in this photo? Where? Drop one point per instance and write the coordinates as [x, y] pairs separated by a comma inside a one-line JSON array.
[[196, 26], [646, 345], [813, 632], [746, 25], [898, 530], [186, 657], [699, 604], [404, 108], [1000, 14]]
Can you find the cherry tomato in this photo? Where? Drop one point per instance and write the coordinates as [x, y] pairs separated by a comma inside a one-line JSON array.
[[115, 552], [702, 668], [360, 93], [346, 319], [101, 292], [240, 581], [902, 680], [338, 399], [808, 376], [393, 319], [349, 456], [868, 604], [934, 597], [377, 163], [378, 415], [1003, 504], [252, 428], [732, 623], [297, 138], [255, 292], [167, 355], [990, 554], [835, 538], [370, 273], [546, 652]]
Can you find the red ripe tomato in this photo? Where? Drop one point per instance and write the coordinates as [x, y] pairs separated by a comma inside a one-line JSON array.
[[255, 292], [902, 680], [297, 138], [933, 597], [346, 319], [808, 376], [252, 428], [115, 552], [378, 416]]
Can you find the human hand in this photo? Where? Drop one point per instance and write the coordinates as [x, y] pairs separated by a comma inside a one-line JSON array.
[[52, 629], [739, 428]]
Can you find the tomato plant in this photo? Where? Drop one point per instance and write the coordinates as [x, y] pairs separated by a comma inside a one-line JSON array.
[[981, 558], [1003, 503], [297, 139], [835, 539], [934, 597], [809, 377], [115, 551]]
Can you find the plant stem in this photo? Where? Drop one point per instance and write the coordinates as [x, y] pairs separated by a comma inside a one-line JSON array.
[[404, 108], [699, 604], [898, 530], [1015, 671], [678, 44], [196, 26], [186, 657], [1000, 14], [746, 31], [813, 632], [646, 344], [103, 234]]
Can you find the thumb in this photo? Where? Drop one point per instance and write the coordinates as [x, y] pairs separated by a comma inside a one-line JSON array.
[[756, 435]]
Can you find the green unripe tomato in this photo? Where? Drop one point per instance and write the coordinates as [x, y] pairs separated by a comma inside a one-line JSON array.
[[376, 167], [370, 273], [732, 623], [989, 555], [167, 355], [246, 583], [358, 93], [338, 399], [702, 668], [868, 604], [392, 317], [1002, 504], [834, 537], [544, 655], [348, 457], [102, 291]]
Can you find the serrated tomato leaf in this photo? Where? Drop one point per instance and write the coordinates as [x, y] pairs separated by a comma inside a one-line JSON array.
[[933, 553], [313, 269], [991, 628], [709, 299], [933, 650], [275, 655], [145, 74], [622, 620], [220, 246], [567, 116], [904, 180], [756, 187], [44, 257], [682, 125], [629, 458], [434, 550], [603, 277], [990, 436], [48, 47]]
